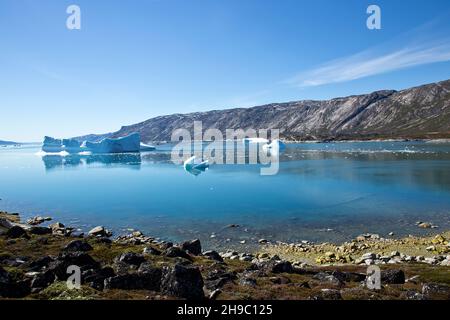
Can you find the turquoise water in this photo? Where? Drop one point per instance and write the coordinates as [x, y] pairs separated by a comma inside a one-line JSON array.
[[323, 192]]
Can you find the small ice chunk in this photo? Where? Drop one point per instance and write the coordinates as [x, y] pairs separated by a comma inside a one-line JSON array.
[[194, 166]]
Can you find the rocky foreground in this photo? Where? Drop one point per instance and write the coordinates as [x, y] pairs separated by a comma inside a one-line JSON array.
[[34, 261]]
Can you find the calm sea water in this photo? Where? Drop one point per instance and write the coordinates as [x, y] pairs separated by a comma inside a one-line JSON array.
[[323, 192]]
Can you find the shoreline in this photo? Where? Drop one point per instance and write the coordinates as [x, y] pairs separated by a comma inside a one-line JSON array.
[[136, 266], [290, 141]]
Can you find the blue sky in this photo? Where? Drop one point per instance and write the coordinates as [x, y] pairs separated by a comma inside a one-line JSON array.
[[133, 60]]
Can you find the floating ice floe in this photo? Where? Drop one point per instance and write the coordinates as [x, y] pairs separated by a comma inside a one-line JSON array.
[[194, 166], [254, 140], [146, 147], [130, 143]]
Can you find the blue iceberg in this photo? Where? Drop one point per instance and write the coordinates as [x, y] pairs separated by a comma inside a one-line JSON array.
[[130, 143], [52, 145]]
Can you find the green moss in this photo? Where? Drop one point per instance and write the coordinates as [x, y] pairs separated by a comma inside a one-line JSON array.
[[60, 291]]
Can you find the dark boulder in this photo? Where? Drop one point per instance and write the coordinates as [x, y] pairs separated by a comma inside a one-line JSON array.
[[280, 280], [103, 240], [348, 276], [282, 267], [329, 294], [174, 252], [17, 232], [40, 230], [77, 245], [248, 278], [193, 247], [436, 291], [328, 279], [146, 278], [42, 280], [152, 251], [273, 266], [12, 289], [213, 255], [41, 263], [392, 277], [182, 282], [96, 278], [217, 278], [131, 258], [166, 245], [5, 283], [64, 260], [413, 295]]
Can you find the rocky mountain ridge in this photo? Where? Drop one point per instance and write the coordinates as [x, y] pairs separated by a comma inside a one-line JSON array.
[[421, 112]]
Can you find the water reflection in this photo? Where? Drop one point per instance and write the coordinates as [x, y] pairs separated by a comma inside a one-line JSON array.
[[129, 160]]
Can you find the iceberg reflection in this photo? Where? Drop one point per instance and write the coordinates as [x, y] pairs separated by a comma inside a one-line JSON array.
[[129, 160]]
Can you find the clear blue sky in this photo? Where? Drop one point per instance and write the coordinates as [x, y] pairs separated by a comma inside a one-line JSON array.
[[133, 60]]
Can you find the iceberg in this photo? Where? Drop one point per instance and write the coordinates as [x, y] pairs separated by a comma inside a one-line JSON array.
[[146, 147], [254, 140], [130, 143], [72, 145], [52, 145], [195, 167]]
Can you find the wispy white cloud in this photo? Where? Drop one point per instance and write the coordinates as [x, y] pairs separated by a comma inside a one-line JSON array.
[[369, 63]]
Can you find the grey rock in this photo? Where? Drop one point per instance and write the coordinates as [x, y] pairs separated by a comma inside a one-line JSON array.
[[213, 255], [151, 251], [131, 258], [435, 290], [173, 252], [193, 247], [183, 282], [64, 260], [95, 278], [328, 278], [77, 245]]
